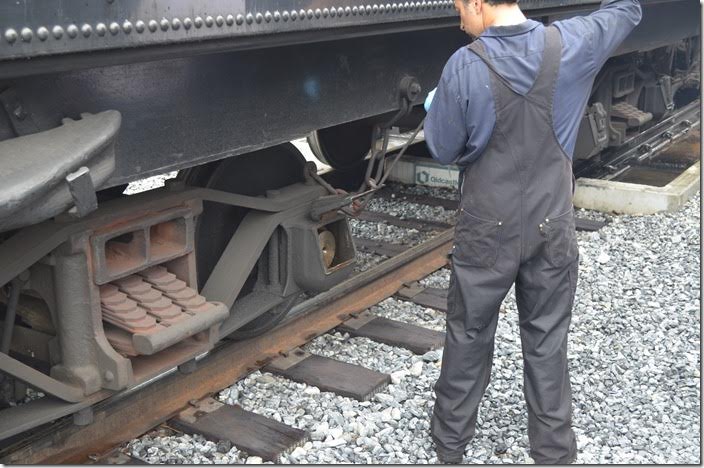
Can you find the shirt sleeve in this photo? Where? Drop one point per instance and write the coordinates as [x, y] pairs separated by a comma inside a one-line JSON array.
[[605, 29], [445, 127]]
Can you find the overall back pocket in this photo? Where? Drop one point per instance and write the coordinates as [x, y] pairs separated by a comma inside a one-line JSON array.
[[562, 246], [477, 239]]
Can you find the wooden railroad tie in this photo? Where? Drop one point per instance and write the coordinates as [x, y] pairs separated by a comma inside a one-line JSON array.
[[329, 375], [417, 339], [248, 431], [117, 457], [435, 298]]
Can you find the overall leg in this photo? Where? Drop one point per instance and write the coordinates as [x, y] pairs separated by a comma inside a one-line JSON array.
[[466, 363], [544, 296]]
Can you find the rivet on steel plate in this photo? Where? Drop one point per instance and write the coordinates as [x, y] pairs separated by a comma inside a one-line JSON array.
[[258, 18], [249, 18], [294, 15], [152, 25], [348, 10], [310, 14], [369, 9], [355, 10], [19, 112], [187, 22], [239, 20], [175, 24], [382, 8], [114, 28], [375, 8], [72, 30], [277, 16], [198, 21], [230, 20], [127, 27], [317, 13], [57, 31], [108, 376], [209, 21], [164, 23], [26, 34], [285, 16], [268, 17], [42, 33], [11, 35], [326, 12], [219, 20]]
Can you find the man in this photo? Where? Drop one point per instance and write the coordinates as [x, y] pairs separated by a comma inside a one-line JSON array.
[[507, 110]]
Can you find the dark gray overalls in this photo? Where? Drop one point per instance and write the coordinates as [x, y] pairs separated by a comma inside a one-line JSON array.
[[516, 224]]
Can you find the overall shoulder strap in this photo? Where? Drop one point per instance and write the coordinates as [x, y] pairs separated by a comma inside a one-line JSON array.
[[544, 86], [478, 48]]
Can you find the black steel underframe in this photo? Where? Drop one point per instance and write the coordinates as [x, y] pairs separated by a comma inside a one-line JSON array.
[[185, 111]]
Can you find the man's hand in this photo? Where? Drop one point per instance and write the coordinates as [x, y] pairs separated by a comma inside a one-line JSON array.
[[429, 99], [355, 206]]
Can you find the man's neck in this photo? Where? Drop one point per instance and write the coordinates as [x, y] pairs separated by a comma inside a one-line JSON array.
[[506, 15]]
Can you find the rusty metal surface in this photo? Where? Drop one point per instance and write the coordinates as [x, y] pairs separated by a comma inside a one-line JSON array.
[[116, 420]]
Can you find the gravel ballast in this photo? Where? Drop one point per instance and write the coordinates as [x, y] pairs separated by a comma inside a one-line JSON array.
[[633, 351]]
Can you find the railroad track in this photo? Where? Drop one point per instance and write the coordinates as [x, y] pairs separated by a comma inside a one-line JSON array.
[[131, 413]]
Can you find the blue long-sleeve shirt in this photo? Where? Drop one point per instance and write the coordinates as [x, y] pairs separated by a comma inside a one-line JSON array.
[[461, 118]]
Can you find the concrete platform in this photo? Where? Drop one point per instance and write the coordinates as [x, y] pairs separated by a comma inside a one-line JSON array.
[[627, 198], [594, 194]]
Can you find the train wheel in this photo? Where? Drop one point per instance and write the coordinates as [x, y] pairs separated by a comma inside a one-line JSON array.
[[266, 321], [249, 174], [342, 147]]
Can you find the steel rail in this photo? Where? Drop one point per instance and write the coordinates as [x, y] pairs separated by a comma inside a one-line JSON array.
[[131, 413]]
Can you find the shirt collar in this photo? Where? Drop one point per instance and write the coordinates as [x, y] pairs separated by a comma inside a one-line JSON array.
[[513, 30]]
